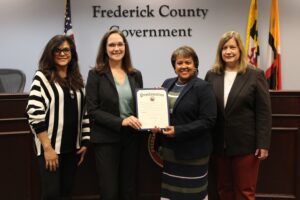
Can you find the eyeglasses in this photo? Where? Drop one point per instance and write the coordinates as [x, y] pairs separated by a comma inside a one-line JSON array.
[[113, 45], [66, 51]]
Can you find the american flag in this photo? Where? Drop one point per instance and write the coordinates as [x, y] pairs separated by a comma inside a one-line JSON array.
[[68, 22]]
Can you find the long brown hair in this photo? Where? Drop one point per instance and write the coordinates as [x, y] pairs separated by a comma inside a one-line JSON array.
[[219, 65], [48, 67], [102, 64]]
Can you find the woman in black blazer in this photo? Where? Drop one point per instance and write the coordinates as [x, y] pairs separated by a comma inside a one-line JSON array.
[[243, 129], [186, 143], [110, 91]]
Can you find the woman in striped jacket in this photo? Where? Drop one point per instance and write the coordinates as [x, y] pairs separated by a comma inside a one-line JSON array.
[[57, 116]]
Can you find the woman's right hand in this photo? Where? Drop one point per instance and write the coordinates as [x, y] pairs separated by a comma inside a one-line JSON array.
[[132, 121], [51, 159], [50, 156]]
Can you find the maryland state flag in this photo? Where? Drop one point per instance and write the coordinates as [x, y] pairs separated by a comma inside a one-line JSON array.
[[273, 72], [252, 42]]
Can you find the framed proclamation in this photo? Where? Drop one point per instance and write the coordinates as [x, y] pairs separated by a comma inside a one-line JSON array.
[[152, 107]]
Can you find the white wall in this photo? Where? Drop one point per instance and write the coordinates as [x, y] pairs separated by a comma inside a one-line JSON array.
[[27, 25]]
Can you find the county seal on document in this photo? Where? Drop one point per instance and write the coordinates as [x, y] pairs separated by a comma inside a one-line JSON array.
[[152, 108]]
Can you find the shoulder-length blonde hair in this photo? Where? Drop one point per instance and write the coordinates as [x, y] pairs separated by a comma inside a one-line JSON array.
[[219, 65]]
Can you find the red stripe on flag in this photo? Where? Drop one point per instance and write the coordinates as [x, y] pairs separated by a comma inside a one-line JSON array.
[[273, 73]]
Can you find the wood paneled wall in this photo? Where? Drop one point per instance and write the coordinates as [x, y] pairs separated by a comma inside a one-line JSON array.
[[279, 176]]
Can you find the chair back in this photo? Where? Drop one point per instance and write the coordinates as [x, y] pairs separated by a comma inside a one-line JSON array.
[[12, 80]]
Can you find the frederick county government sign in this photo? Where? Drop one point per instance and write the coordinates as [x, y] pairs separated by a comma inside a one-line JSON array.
[[163, 11]]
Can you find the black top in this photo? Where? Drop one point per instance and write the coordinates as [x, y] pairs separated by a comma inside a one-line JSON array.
[[71, 117]]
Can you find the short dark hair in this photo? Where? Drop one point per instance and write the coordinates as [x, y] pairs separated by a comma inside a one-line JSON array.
[[185, 51]]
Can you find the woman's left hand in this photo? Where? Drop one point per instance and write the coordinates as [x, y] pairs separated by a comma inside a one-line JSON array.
[[81, 152], [169, 131], [262, 154]]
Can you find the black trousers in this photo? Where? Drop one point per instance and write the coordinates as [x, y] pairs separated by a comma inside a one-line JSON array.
[[58, 185], [117, 168]]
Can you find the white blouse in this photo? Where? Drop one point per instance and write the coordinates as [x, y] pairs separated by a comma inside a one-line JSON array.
[[228, 82]]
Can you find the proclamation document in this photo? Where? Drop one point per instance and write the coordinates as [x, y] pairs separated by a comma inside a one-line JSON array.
[[152, 108]]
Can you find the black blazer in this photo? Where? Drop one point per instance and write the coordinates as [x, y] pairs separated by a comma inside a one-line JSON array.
[[193, 118], [245, 124], [103, 105]]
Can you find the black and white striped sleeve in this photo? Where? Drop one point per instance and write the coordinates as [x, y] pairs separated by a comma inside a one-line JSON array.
[[37, 106]]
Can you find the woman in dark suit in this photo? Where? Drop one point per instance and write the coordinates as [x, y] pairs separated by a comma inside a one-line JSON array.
[[187, 141], [110, 91], [242, 133]]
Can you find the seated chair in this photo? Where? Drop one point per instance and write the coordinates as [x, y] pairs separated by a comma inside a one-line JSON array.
[[12, 80]]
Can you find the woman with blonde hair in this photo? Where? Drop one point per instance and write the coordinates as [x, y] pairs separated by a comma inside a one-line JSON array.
[[242, 132]]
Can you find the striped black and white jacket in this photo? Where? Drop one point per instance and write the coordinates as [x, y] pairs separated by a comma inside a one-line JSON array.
[[45, 113]]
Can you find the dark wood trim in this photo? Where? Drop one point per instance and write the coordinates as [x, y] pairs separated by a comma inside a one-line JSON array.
[[15, 133], [284, 93], [279, 175]]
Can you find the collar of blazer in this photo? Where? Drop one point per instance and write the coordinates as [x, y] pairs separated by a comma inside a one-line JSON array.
[[237, 87], [189, 85], [131, 80], [110, 77]]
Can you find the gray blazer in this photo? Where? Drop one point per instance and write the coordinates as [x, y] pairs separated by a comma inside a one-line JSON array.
[[245, 123]]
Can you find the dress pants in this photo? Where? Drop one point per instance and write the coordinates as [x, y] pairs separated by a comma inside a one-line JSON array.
[[58, 185], [237, 176], [117, 168]]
